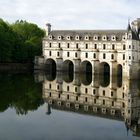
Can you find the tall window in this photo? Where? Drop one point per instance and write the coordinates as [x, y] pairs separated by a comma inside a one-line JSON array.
[[103, 92], [68, 45], [113, 46], [94, 91], [124, 47], [59, 45], [123, 56], [68, 54], [77, 45], [86, 46], [75, 54], [67, 88], [86, 90], [104, 56], [50, 45], [112, 56], [86, 55], [50, 53], [104, 46], [95, 46], [85, 99], [94, 55], [57, 53]]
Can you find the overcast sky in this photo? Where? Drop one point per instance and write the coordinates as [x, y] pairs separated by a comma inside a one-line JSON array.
[[72, 14]]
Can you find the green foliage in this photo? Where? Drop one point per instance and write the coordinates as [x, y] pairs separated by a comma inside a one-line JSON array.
[[20, 42]]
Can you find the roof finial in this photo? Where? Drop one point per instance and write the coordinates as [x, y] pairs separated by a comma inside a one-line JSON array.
[[128, 27]]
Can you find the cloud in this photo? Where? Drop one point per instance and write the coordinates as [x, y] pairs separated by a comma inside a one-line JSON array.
[[73, 14]]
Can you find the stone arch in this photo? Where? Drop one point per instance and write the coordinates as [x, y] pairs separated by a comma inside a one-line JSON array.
[[68, 77], [50, 65], [104, 68], [68, 66], [86, 66], [86, 78]]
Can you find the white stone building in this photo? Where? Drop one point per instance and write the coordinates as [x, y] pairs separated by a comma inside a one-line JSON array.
[[97, 51]]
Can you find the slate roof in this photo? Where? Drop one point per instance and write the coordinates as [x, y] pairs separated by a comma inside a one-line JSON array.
[[91, 33]]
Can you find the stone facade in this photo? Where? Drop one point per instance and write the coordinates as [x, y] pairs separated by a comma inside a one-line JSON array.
[[119, 49]]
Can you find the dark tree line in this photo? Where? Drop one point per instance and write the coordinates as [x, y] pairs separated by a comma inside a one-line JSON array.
[[20, 41]]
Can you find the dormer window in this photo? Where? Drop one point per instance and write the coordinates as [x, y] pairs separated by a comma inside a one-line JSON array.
[[68, 37], [86, 37], [113, 38], [104, 37], [77, 37], [50, 37], [59, 37], [95, 37]]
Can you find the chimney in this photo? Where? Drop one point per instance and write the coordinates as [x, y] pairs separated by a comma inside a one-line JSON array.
[[48, 29], [136, 25]]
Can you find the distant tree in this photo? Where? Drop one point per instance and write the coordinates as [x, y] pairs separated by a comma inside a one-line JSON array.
[[20, 41]]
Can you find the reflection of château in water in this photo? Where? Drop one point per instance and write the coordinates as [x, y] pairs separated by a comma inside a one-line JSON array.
[[100, 96]]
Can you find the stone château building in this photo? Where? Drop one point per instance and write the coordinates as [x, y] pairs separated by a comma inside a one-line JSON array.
[[97, 51]]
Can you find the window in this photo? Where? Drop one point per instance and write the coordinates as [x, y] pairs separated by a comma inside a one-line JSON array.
[[94, 101], [86, 90], [75, 54], [103, 92], [104, 56], [50, 86], [68, 54], [86, 54], [50, 53], [57, 53], [123, 56], [50, 45], [95, 46], [123, 95], [113, 46], [103, 102], [76, 98], [57, 86], [111, 93], [59, 37], [112, 56], [129, 57], [59, 45], [68, 37], [94, 55], [59, 95], [68, 97], [124, 47], [129, 46], [77, 45], [85, 99], [75, 89], [68, 45], [112, 103], [133, 47], [50, 94], [86, 46], [94, 91], [104, 46], [67, 88]]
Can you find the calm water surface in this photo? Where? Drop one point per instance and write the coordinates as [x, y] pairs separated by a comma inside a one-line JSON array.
[[31, 110]]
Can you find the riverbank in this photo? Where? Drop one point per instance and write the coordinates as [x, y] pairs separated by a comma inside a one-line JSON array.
[[16, 67]]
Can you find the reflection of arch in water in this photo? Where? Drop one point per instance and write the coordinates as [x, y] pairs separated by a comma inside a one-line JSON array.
[[119, 70], [86, 78], [50, 65], [104, 80], [104, 68], [68, 77], [86, 67], [68, 66]]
